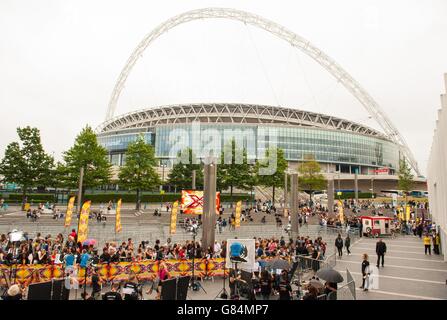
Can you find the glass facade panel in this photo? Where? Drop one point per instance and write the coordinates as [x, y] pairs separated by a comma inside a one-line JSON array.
[[298, 143], [119, 142]]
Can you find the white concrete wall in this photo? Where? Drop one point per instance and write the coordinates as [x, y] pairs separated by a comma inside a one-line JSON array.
[[437, 172]]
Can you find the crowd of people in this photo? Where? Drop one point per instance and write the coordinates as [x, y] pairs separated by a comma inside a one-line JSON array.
[[68, 252]]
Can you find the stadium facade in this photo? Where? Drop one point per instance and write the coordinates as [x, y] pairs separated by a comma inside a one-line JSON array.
[[337, 144]]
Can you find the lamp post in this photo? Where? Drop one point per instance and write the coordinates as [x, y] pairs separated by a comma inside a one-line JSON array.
[[163, 166]]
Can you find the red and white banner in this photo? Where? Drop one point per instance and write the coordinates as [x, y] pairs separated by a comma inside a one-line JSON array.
[[382, 171], [192, 202]]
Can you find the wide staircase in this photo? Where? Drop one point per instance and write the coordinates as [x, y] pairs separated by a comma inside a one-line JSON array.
[[151, 231]]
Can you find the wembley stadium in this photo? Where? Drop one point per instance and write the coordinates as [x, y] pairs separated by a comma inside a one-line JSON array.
[[343, 148], [337, 144]]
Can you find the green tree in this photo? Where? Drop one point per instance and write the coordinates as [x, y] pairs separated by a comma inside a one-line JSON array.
[[270, 170], [181, 173], [89, 154], [234, 171], [26, 163], [310, 178], [138, 173], [405, 181]]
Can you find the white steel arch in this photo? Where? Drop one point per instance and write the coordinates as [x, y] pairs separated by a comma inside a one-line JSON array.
[[276, 29]]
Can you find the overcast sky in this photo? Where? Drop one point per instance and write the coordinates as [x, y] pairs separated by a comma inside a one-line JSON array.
[[59, 61]]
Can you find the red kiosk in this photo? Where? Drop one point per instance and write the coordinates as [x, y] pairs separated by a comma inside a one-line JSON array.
[[376, 226]]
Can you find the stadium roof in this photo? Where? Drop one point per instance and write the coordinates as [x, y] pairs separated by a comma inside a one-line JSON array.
[[231, 113]]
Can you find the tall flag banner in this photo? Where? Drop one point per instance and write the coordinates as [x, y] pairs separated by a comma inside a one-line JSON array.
[[83, 222], [173, 225], [341, 213], [408, 213], [69, 212], [118, 226], [192, 202], [217, 202], [237, 222]]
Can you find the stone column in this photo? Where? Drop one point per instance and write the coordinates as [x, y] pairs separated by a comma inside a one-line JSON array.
[[286, 198], [294, 205], [356, 188], [209, 205], [330, 195], [193, 180]]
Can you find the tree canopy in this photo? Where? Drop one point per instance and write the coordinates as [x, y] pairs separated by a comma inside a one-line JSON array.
[[270, 170], [138, 173], [181, 173], [26, 163], [234, 171], [310, 178], [88, 153], [405, 182]]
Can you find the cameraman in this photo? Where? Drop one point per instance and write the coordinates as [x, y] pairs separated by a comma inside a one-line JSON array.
[[131, 288], [96, 284]]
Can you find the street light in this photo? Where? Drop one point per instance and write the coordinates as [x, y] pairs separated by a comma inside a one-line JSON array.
[[163, 166]]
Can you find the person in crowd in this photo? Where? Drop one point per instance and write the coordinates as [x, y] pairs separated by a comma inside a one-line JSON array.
[[284, 288], [380, 251], [348, 244], [436, 243], [312, 294], [330, 290], [266, 285], [86, 296], [96, 284], [15, 292], [365, 272], [339, 245], [427, 244]]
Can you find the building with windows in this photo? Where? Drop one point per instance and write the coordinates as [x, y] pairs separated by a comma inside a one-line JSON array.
[[341, 147], [437, 173], [338, 144]]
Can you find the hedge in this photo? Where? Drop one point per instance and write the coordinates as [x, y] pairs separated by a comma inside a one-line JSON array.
[[34, 197], [168, 197], [351, 195]]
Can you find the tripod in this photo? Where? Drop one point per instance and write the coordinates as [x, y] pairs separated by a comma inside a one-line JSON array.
[[223, 294], [195, 285]]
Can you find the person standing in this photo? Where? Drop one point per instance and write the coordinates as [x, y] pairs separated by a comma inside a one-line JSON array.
[[339, 245], [96, 284], [348, 244], [380, 250], [365, 273], [284, 288], [427, 243], [436, 243], [266, 285]]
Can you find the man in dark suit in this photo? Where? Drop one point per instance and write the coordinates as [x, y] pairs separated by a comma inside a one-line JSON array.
[[380, 250]]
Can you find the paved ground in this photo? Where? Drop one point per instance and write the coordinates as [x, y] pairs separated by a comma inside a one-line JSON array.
[[408, 272]]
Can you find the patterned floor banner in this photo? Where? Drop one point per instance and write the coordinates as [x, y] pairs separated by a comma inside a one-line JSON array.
[[145, 270]]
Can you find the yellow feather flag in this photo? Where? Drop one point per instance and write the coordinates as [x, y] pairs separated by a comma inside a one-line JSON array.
[[69, 212], [238, 214], [408, 213], [118, 226], [341, 213], [173, 225], [83, 222]]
